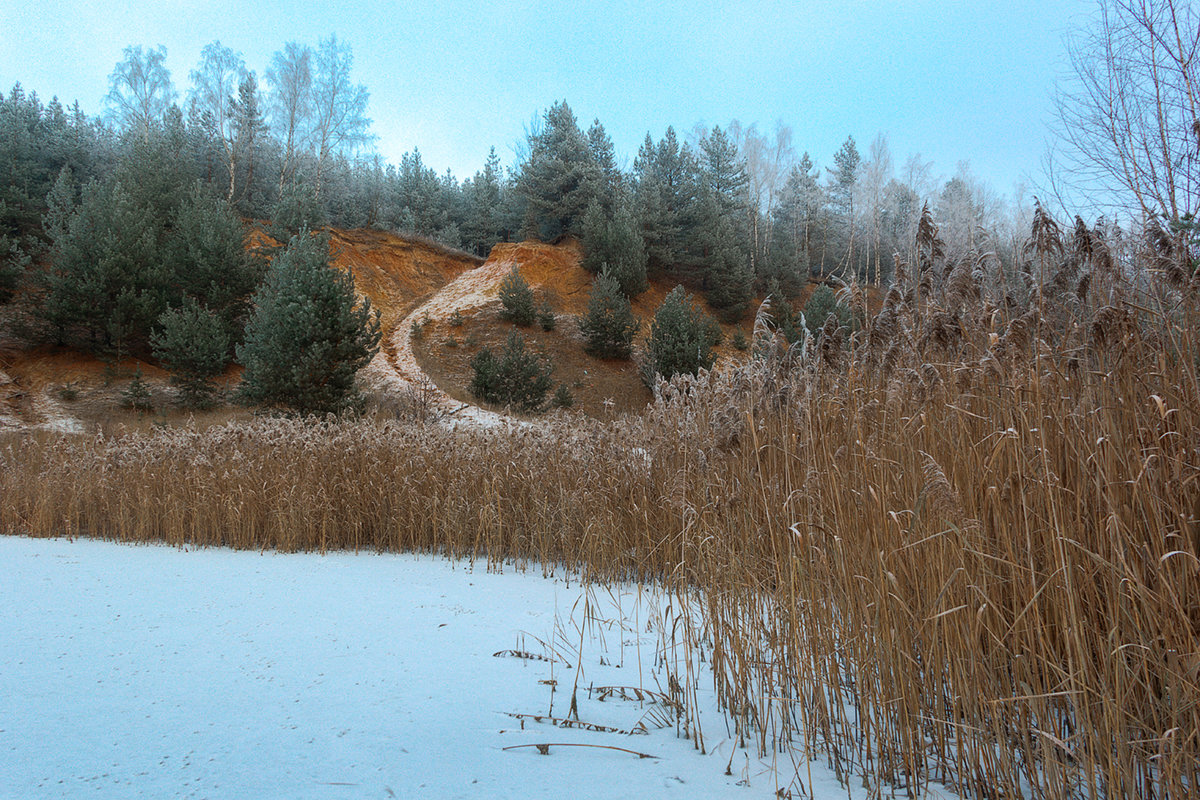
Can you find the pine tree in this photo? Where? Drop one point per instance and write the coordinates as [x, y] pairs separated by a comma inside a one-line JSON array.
[[481, 226], [193, 344], [517, 378], [723, 171], [295, 209], [13, 263], [845, 177], [626, 252], [545, 315], [786, 320], [615, 244], [308, 335], [517, 300], [107, 285], [666, 202], [795, 228], [137, 395], [607, 176], [206, 254], [609, 326], [250, 143], [818, 308], [681, 337], [594, 232], [37, 144], [724, 208], [728, 277], [559, 180]]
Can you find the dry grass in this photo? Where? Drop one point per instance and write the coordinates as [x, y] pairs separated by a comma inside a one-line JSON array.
[[965, 549]]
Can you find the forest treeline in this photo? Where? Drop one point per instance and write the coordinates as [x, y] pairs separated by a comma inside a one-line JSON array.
[[729, 212]]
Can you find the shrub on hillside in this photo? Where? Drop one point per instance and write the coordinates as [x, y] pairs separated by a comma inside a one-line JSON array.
[[194, 346], [309, 335], [517, 299], [609, 326], [682, 336], [563, 397], [818, 308], [137, 394], [545, 315], [516, 378], [615, 245], [790, 323]]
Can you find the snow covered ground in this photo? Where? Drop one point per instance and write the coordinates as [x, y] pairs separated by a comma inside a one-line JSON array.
[[134, 671]]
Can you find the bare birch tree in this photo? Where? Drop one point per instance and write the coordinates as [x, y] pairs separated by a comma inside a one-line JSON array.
[[340, 122], [290, 81], [215, 82], [140, 89], [1129, 120], [876, 173], [768, 159]]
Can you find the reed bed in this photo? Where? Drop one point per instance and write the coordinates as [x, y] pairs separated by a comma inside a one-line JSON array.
[[962, 547]]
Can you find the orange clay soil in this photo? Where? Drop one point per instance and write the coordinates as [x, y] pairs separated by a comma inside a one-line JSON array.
[[396, 273]]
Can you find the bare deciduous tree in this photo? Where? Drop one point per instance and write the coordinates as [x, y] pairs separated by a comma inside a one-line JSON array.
[[290, 79], [140, 89], [214, 83], [1129, 118], [340, 122], [876, 173], [768, 159]]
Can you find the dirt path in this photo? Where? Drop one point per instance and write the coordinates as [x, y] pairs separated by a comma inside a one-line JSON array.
[[396, 369]]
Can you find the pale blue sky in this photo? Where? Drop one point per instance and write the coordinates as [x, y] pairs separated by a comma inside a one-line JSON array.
[[953, 81]]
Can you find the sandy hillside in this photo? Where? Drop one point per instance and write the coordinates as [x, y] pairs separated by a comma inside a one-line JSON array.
[[449, 297], [394, 272]]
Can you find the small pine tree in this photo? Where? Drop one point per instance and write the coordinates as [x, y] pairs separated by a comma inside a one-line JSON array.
[[790, 323], [682, 336], [194, 346], [206, 252], [545, 315], [517, 378], [563, 397], [137, 394], [818, 308], [609, 326], [517, 299], [308, 335], [616, 245], [627, 252]]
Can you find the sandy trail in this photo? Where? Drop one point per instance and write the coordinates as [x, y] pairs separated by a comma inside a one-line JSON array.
[[395, 368]]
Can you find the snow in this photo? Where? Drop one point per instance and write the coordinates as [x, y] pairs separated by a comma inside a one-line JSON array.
[[148, 671]]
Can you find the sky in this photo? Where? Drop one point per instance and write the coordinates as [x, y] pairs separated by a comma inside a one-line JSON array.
[[952, 81]]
